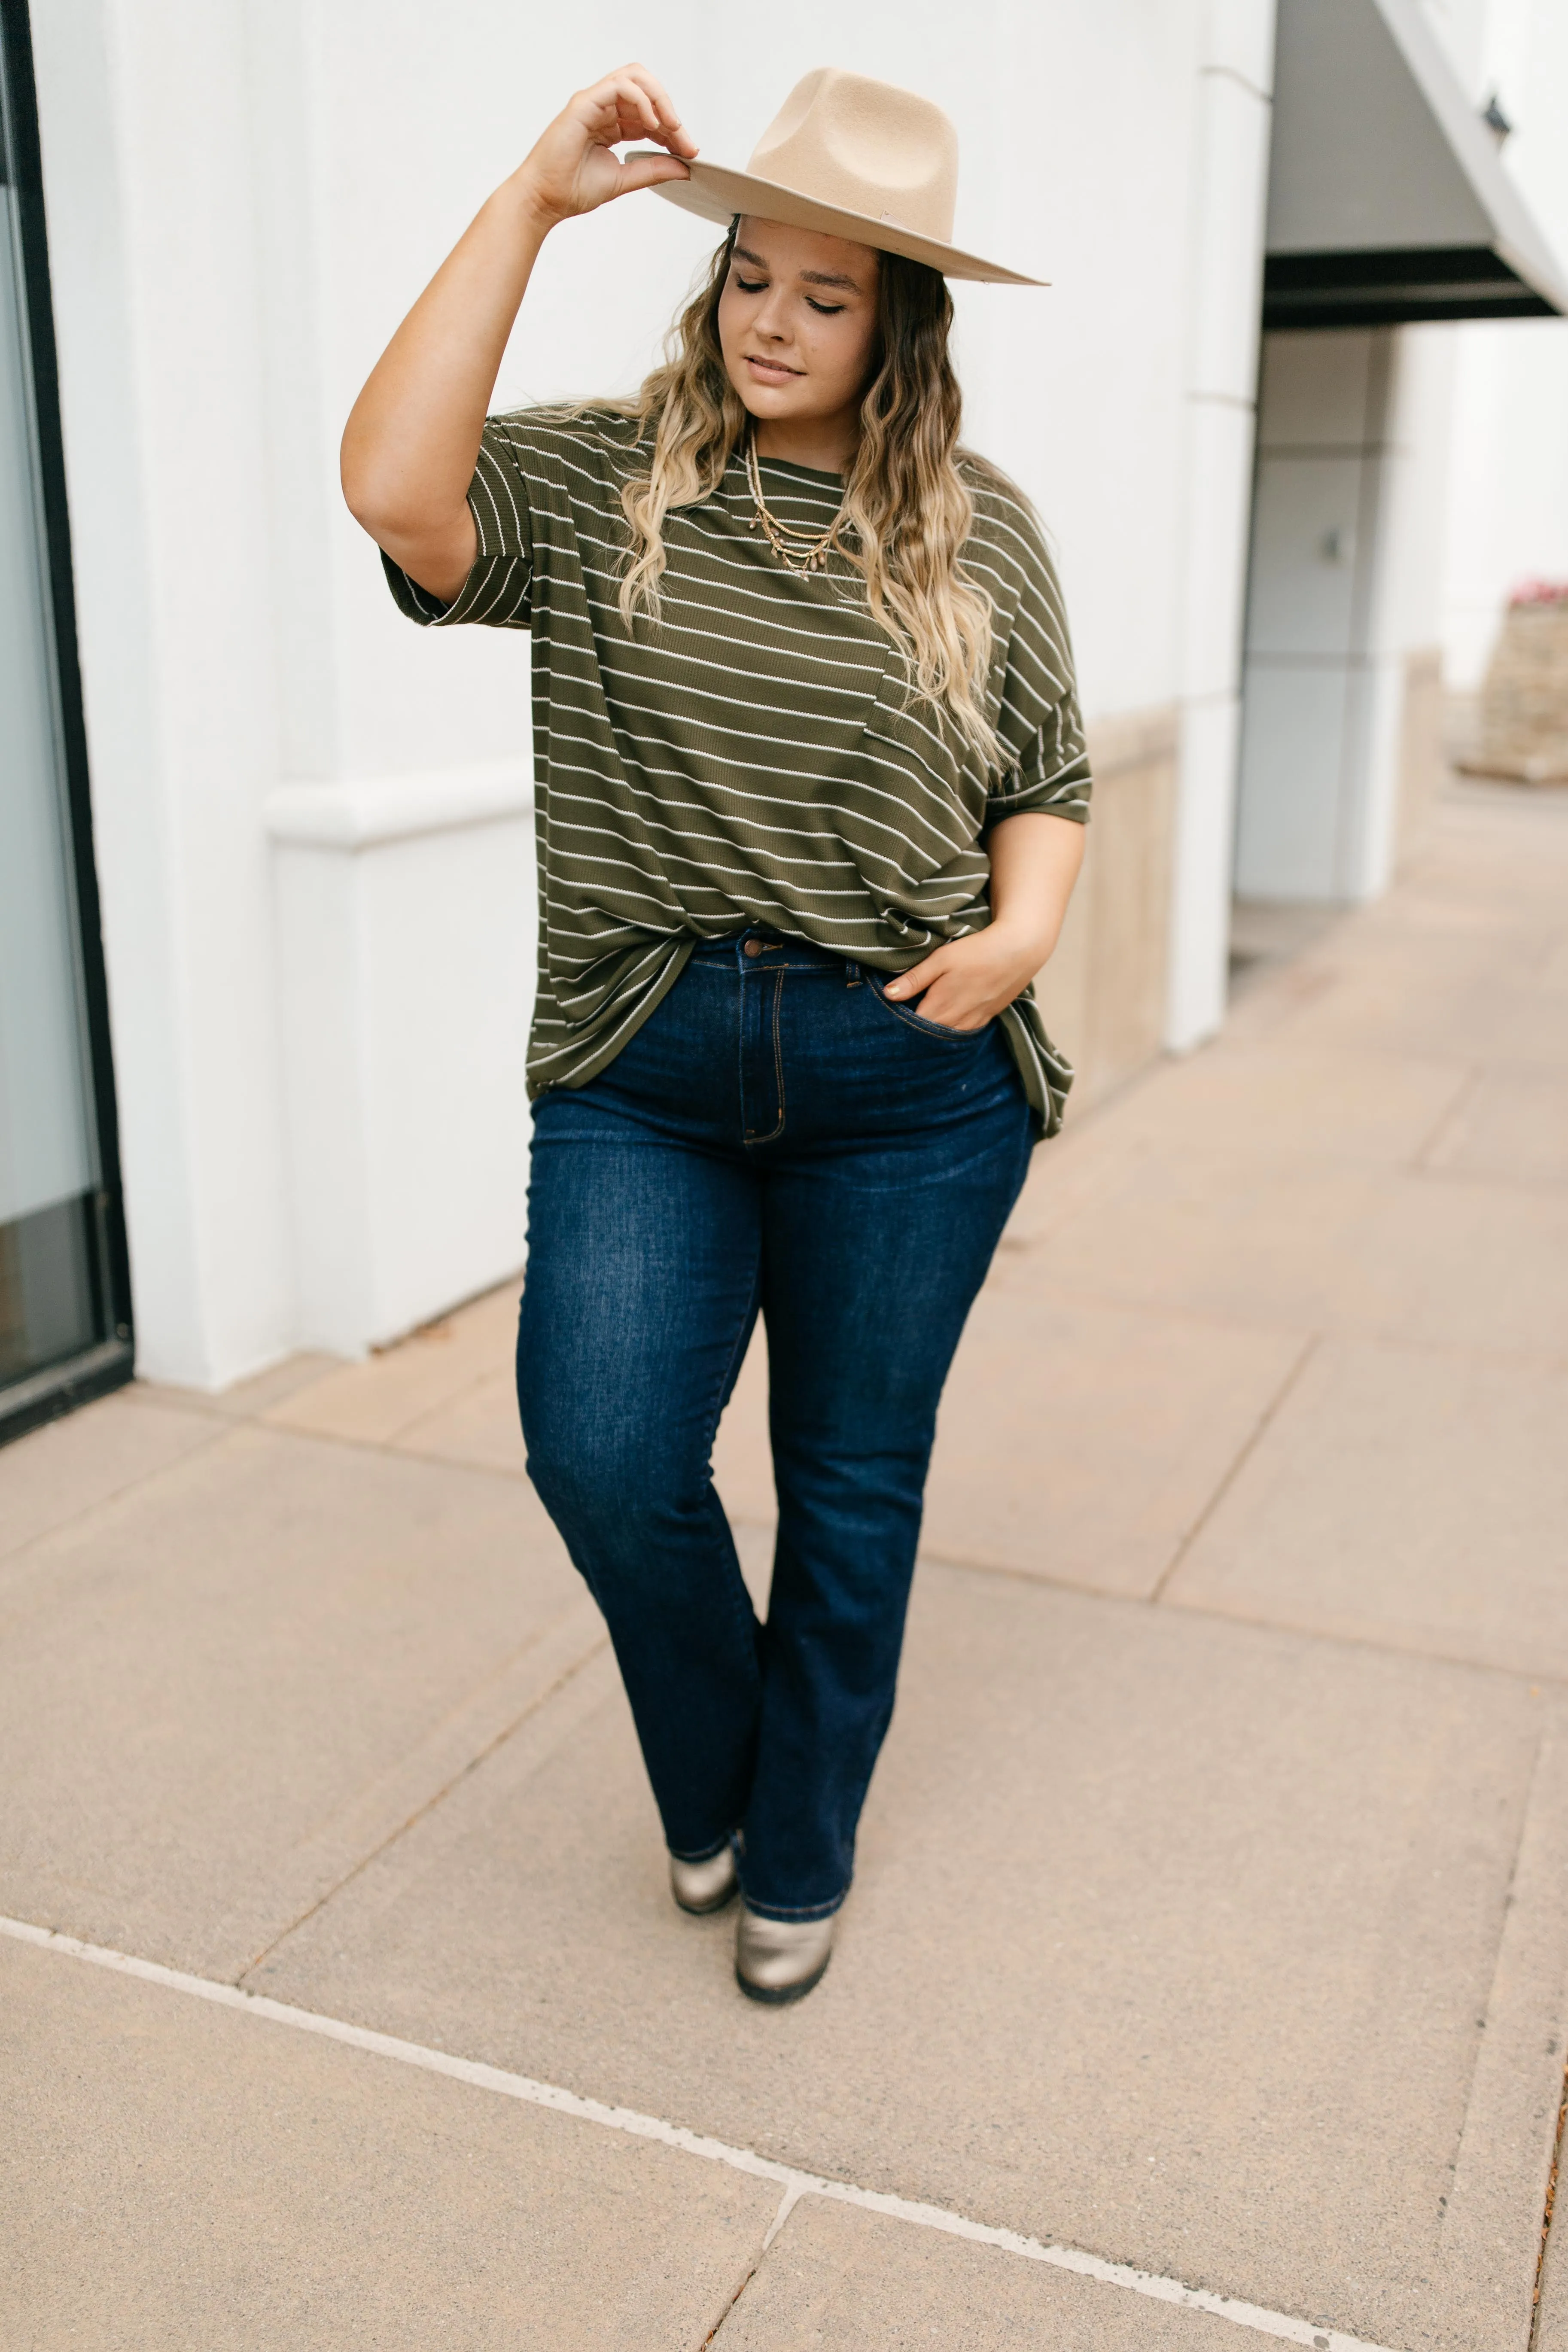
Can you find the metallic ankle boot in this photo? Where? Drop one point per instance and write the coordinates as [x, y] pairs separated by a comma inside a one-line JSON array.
[[702, 1886], [780, 1959]]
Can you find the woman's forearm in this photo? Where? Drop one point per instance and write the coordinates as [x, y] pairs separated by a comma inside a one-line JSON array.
[[1034, 861], [412, 436], [412, 442]]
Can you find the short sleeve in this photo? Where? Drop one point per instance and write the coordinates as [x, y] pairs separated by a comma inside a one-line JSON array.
[[1040, 722], [498, 592]]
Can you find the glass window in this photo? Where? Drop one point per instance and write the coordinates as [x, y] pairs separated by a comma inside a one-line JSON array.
[[57, 1302]]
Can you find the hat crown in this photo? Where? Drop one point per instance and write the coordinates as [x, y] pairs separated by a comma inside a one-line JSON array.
[[865, 147]]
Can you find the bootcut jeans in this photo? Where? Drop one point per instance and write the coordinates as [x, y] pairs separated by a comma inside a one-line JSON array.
[[777, 1137]]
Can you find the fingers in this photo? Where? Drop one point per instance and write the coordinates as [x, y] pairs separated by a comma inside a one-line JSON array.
[[917, 977], [641, 108], [648, 170], [665, 124], [950, 988]]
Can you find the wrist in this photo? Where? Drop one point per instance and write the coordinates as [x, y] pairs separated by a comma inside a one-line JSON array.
[[1025, 942], [528, 210]]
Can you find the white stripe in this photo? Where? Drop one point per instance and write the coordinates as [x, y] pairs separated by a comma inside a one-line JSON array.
[[697, 785], [870, 923], [597, 668], [720, 834], [770, 626], [1033, 568], [740, 886], [709, 876], [735, 493], [787, 2177], [755, 578]]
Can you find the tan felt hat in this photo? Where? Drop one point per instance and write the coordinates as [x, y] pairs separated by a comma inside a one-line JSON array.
[[853, 158]]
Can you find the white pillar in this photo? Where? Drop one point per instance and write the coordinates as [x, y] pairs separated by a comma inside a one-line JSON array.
[[145, 129], [1234, 123]]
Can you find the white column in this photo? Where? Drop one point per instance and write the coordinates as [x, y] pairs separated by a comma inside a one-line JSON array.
[[145, 128], [1347, 554], [1234, 122]]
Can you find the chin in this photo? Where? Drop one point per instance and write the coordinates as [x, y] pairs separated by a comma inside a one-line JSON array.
[[765, 399]]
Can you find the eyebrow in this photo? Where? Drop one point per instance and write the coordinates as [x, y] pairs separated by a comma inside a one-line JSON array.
[[808, 277]]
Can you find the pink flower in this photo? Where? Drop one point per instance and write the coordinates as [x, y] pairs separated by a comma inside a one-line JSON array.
[[1539, 592]]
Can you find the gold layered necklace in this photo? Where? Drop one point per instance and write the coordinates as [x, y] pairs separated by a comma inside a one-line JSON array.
[[797, 548]]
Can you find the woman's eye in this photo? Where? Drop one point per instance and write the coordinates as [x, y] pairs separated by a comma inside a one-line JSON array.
[[828, 309], [750, 285]]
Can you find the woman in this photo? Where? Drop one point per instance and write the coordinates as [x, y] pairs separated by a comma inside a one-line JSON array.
[[811, 801]]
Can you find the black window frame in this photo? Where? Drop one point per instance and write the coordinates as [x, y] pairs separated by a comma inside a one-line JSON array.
[[110, 1362]]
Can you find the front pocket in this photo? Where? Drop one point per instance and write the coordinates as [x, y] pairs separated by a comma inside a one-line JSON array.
[[914, 1020]]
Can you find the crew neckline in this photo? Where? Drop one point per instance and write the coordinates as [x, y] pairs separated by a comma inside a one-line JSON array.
[[788, 465]]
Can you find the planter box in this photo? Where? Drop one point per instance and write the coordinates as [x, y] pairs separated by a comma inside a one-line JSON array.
[[1524, 704]]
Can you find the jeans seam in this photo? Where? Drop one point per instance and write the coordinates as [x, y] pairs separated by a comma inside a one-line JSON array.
[[777, 1128], [709, 1854], [802, 1911]]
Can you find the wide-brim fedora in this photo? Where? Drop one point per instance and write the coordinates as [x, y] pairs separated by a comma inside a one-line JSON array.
[[854, 158]]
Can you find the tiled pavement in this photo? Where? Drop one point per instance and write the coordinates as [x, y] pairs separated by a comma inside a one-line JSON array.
[[1213, 1906]]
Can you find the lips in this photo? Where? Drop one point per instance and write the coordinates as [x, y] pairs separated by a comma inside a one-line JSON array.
[[771, 367]]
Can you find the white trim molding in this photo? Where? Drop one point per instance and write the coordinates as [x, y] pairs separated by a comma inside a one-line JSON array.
[[366, 812], [406, 931]]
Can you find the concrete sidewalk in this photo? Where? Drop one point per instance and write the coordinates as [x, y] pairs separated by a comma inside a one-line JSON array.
[[1212, 1916]]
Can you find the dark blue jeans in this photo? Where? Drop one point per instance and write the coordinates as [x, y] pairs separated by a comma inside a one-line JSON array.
[[776, 1137]]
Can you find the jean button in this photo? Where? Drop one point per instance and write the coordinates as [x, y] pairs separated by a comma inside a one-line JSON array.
[[753, 947]]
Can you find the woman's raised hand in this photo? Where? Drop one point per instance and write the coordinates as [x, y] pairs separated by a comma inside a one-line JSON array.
[[572, 167], [411, 445]]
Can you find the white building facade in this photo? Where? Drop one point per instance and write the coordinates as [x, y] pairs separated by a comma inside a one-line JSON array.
[[310, 826]]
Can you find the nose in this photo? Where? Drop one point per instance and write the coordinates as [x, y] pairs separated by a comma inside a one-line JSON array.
[[769, 320]]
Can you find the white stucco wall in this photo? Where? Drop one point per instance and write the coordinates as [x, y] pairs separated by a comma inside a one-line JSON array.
[[1508, 482], [243, 200]]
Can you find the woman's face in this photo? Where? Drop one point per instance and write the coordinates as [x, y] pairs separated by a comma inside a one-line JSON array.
[[797, 322]]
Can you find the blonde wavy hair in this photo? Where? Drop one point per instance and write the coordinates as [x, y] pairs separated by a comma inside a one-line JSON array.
[[907, 507]]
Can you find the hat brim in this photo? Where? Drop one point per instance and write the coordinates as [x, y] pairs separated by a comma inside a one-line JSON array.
[[716, 195]]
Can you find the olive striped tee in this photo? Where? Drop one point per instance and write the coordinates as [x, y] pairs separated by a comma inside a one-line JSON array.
[[755, 757]]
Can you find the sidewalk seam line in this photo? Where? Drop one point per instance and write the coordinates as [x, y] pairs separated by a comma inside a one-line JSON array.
[[1483, 2022], [540, 1698], [1209, 1612], [790, 2178], [1040, 1579], [1244, 1455], [17, 1552], [1553, 2184], [1420, 1164], [787, 2204]]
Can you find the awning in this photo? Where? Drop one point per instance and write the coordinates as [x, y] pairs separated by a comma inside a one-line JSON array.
[[1387, 201]]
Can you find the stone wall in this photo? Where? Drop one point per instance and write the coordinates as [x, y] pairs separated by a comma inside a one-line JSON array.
[[1103, 992]]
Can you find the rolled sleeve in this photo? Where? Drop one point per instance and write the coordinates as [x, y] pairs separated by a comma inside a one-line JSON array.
[[1039, 720], [1052, 775], [498, 592]]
